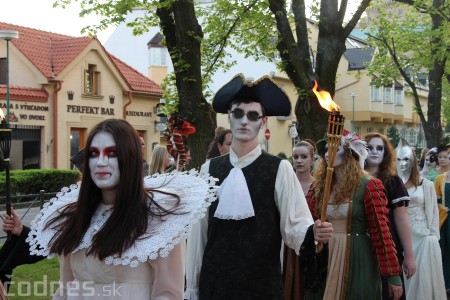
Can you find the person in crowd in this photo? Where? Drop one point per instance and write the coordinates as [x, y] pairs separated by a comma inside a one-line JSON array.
[[213, 151], [15, 251], [423, 154], [234, 253], [221, 144], [160, 160], [381, 163], [144, 161], [429, 168], [302, 157], [442, 187], [118, 234], [423, 215], [443, 159], [361, 248]]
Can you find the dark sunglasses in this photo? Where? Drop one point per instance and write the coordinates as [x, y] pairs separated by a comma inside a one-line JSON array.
[[251, 115]]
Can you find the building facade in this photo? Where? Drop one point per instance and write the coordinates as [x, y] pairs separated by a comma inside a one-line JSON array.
[[62, 86]]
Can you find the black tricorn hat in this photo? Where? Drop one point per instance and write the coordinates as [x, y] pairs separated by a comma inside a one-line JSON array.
[[264, 90]]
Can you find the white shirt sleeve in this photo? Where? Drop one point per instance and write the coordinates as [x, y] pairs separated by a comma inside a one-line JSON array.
[[295, 217], [196, 243]]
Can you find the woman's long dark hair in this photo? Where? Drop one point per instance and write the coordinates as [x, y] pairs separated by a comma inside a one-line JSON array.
[[132, 208]]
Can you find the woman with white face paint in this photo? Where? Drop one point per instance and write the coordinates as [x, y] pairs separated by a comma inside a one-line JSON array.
[[429, 168], [428, 282], [381, 164], [118, 235], [361, 249], [302, 158]]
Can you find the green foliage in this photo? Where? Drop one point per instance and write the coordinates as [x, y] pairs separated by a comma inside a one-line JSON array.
[[32, 181], [393, 136], [282, 155], [39, 280]]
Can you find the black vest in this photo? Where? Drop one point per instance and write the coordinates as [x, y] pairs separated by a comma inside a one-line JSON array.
[[242, 257]]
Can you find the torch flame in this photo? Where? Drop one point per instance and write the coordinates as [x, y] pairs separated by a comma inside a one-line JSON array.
[[325, 99], [2, 116]]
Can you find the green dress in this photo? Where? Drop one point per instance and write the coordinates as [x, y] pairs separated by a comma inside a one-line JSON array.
[[353, 271]]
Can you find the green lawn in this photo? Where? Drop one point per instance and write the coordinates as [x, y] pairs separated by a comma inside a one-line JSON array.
[[36, 281]]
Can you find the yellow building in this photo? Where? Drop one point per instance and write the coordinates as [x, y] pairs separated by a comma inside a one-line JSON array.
[[60, 87]]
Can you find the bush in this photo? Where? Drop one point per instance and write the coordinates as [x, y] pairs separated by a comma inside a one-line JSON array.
[[32, 181]]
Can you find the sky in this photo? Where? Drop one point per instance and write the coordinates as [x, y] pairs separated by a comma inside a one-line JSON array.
[[40, 14]]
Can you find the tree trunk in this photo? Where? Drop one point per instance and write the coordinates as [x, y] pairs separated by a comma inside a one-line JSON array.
[[183, 38]]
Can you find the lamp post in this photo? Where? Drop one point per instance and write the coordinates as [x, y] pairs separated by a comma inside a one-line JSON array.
[[8, 35], [353, 95], [5, 129]]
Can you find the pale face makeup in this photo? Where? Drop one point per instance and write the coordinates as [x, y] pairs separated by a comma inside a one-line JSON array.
[[375, 148], [103, 162], [339, 159], [302, 159], [429, 163], [243, 129], [225, 147], [404, 163]]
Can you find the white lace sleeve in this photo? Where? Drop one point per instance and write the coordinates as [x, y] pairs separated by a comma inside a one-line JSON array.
[[196, 193]]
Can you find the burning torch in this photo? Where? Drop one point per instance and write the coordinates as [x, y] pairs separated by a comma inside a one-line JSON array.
[[334, 135]]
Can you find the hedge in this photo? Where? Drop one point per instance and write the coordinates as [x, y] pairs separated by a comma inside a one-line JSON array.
[[32, 181]]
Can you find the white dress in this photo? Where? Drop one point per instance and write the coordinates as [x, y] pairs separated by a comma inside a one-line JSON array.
[[428, 281], [153, 267]]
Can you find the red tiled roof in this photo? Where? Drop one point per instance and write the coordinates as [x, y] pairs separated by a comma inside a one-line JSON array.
[[24, 93], [52, 52], [136, 81]]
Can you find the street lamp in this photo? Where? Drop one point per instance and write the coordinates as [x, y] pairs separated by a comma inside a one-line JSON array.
[[353, 95], [5, 129], [8, 35]]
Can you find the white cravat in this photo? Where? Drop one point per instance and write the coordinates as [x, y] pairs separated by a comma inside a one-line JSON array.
[[234, 198]]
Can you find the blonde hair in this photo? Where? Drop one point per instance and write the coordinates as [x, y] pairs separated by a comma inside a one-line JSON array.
[[345, 178], [159, 155]]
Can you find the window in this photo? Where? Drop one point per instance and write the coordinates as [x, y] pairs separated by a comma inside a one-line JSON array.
[[369, 129], [387, 94], [91, 80], [77, 140], [381, 130], [398, 97], [375, 93], [357, 130], [3, 70], [158, 56], [403, 133], [412, 137]]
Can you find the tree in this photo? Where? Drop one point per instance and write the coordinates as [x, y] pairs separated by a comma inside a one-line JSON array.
[[414, 44], [393, 135]]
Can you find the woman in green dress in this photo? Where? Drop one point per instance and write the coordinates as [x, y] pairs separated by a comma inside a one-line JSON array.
[[361, 248]]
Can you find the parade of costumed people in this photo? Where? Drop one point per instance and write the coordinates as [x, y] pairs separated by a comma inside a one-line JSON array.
[[428, 281], [234, 252], [116, 230], [361, 249]]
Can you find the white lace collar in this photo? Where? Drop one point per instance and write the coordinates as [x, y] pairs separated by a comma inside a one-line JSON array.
[[196, 194]]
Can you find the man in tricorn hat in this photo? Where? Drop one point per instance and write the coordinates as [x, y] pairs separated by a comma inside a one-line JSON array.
[[234, 251]]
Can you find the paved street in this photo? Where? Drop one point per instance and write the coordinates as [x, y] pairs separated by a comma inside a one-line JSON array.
[[26, 217]]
